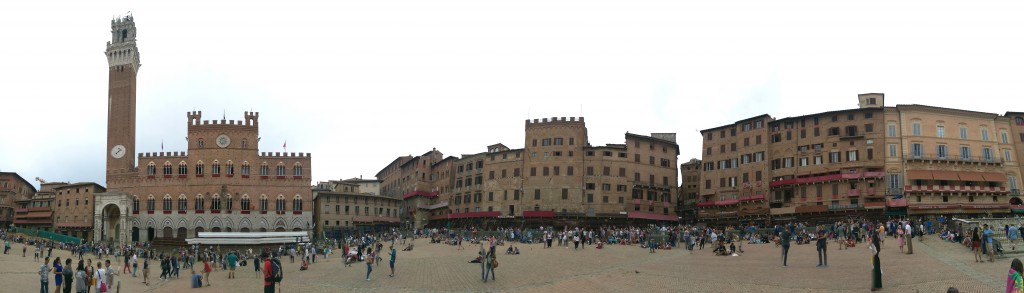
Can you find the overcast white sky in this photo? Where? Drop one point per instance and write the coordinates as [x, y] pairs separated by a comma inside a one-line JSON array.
[[358, 83]]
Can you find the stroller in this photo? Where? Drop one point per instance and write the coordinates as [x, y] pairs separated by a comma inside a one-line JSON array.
[[998, 247]]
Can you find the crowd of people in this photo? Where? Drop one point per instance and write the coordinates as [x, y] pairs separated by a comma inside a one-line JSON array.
[[369, 248]]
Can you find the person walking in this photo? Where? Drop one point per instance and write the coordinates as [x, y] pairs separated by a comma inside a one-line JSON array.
[[392, 260], [976, 244], [492, 262], [58, 275], [135, 264], [483, 263], [145, 271], [268, 267], [1013, 233], [988, 244], [1014, 281], [370, 256], [900, 239], [785, 246], [910, 236], [44, 274], [822, 251], [82, 276], [876, 266], [232, 262], [101, 277], [110, 275], [68, 276]]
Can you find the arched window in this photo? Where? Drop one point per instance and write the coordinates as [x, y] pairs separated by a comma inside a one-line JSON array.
[[199, 168], [245, 168], [200, 143], [263, 203], [182, 168], [215, 202], [231, 168], [135, 203], [245, 144], [1018, 120], [297, 170], [215, 169], [280, 203], [150, 203], [167, 202], [182, 203], [229, 202], [984, 133], [167, 168], [151, 169], [1003, 136], [297, 203], [280, 169], [200, 202], [264, 170], [246, 205]]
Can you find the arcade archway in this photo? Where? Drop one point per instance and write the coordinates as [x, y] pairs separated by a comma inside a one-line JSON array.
[[111, 221]]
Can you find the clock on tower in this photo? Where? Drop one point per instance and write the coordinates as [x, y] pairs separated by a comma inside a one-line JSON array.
[[123, 65]]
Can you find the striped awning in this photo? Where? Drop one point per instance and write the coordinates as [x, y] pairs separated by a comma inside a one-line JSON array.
[[919, 175]]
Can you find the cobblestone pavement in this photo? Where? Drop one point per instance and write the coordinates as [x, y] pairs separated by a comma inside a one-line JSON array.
[[933, 267]]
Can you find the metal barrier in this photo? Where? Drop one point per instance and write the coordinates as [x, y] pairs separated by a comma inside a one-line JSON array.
[[48, 235]]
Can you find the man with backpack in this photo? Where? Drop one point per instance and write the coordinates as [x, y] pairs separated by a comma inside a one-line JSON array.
[[272, 273]]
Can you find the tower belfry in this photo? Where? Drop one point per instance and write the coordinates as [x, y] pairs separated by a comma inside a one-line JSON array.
[[123, 65]]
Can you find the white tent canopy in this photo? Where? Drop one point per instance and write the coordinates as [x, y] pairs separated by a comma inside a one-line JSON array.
[[248, 238]]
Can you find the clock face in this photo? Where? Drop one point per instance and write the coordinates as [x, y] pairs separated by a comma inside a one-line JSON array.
[[223, 141], [118, 151]]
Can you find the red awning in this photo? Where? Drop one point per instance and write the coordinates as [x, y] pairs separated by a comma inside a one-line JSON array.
[[474, 215], [994, 177], [971, 176], [33, 221], [726, 202], [649, 216], [538, 214], [705, 203], [757, 197], [919, 175], [34, 215], [945, 175]]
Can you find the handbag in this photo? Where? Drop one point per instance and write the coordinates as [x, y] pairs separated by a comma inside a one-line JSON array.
[[494, 264], [103, 287]]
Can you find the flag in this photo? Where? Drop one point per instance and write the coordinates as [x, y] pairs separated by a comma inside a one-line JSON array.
[[161, 145], [285, 145]]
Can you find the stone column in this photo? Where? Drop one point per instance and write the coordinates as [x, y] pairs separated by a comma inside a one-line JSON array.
[[97, 226], [121, 232]]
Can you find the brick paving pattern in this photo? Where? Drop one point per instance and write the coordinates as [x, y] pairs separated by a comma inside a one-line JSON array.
[[933, 267]]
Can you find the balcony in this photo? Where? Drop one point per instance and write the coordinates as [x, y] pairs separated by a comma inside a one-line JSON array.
[[893, 191], [852, 135], [853, 193], [951, 158], [845, 207], [955, 189]]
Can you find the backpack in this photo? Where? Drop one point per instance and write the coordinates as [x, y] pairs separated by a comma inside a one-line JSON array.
[[276, 274]]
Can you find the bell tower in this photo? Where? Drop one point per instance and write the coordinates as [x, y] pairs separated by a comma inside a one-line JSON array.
[[123, 66]]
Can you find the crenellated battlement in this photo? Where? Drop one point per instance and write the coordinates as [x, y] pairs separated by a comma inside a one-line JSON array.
[[284, 155], [159, 155], [195, 119], [554, 120]]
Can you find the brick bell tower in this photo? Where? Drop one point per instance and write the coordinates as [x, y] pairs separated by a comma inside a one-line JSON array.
[[123, 66]]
